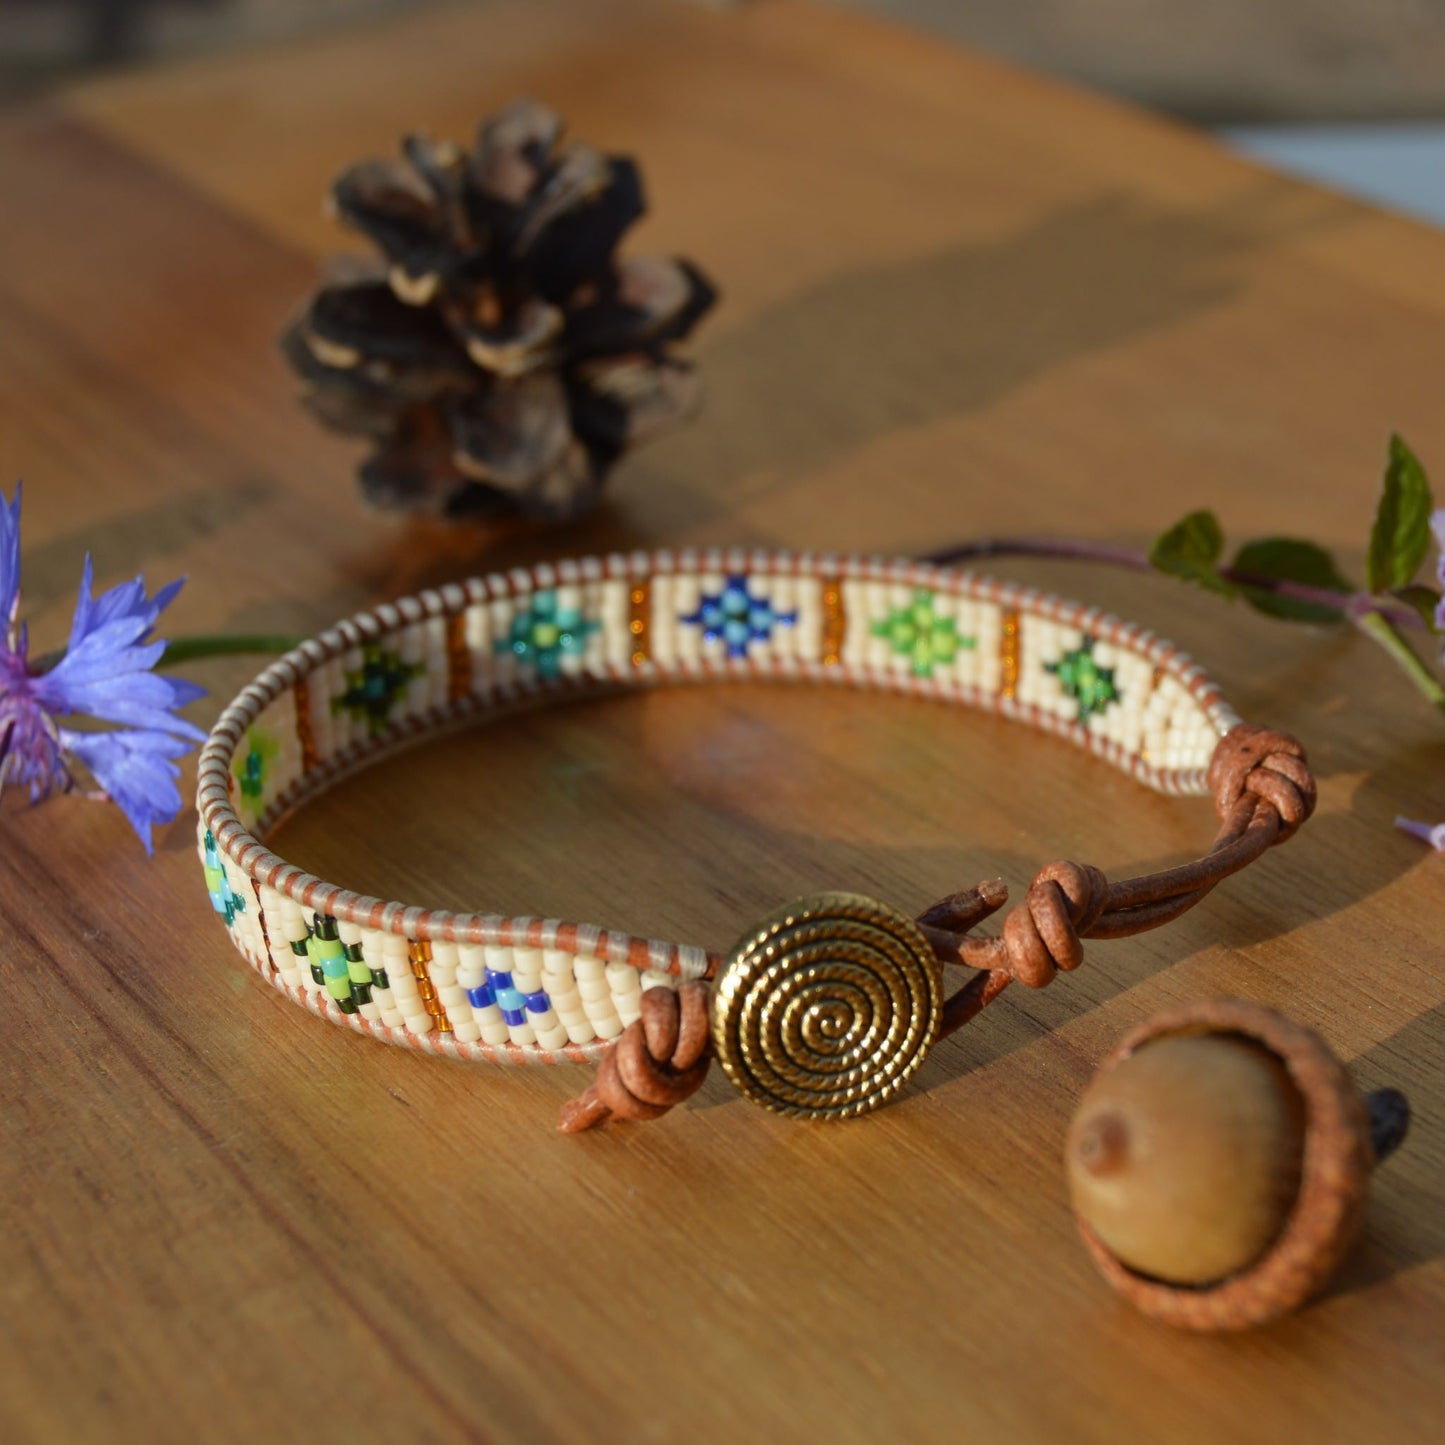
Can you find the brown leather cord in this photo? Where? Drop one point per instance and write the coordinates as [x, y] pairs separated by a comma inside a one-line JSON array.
[[658, 1060], [1263, 791]]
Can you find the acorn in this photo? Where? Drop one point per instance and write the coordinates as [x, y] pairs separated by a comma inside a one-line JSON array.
[[1219, 1164]]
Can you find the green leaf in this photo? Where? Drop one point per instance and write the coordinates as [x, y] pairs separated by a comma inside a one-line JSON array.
[[1191, 549], [1400, 536], [1287, 559], [1422, 598]]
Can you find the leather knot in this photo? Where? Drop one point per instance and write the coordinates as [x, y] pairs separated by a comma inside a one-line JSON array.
[[1043, 936], [659, 1059], [1268, 765]]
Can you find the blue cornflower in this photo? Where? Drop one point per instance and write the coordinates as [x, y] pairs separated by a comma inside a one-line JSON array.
[[104, 675]]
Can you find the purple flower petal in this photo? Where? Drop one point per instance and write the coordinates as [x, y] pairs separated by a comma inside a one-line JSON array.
[[1433, 834], [9, 559], [30, 750], [106, 671], [135, 768]]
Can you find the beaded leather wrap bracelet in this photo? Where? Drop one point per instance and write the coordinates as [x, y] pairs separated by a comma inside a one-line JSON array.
[[826, 1007]]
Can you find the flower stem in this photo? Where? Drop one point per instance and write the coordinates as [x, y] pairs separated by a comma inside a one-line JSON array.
[[1353, 605], [187, 649], [1382, 630]]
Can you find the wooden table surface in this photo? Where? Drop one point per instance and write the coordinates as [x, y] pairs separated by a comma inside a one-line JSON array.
[[958, 301]]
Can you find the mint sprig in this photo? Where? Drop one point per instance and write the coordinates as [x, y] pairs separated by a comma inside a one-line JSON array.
[[1300, 581]]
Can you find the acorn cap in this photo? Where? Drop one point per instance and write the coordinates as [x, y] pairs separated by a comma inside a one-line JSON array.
[[1334, 1178]]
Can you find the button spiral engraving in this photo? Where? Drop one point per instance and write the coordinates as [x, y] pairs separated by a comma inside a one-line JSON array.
[[827, 1007]]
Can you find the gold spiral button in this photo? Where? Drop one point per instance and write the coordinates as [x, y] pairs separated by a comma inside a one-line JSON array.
[[827, 1007]]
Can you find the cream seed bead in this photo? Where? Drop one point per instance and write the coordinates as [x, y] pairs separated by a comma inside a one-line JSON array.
[[292, 924], [490, 1022], [411, 1005], [662, 641], [882, 600], [808, 629], [407, 994], [613, 639], [565, 1000], [391, 1016], [657, 978], [594, 988], [558, 976], [552, 1038], [579, 1027], [476, 628], [417, 1023], [626, 985], [588, 968], [545, 1022], [453, 996], [598, 1003], [288, 926], [499, 959], [384, 998], [247, 923], [782, 594], [603, 1017]]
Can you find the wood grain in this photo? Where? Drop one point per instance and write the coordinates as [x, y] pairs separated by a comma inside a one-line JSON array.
[[958, 300]]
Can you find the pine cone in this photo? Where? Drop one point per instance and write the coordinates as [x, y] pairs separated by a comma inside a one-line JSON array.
[[500, 356]]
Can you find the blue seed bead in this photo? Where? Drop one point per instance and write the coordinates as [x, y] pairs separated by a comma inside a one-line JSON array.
[[538, 1003], [482, 997], [510, 998], [514, 1016], [499, 979]]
